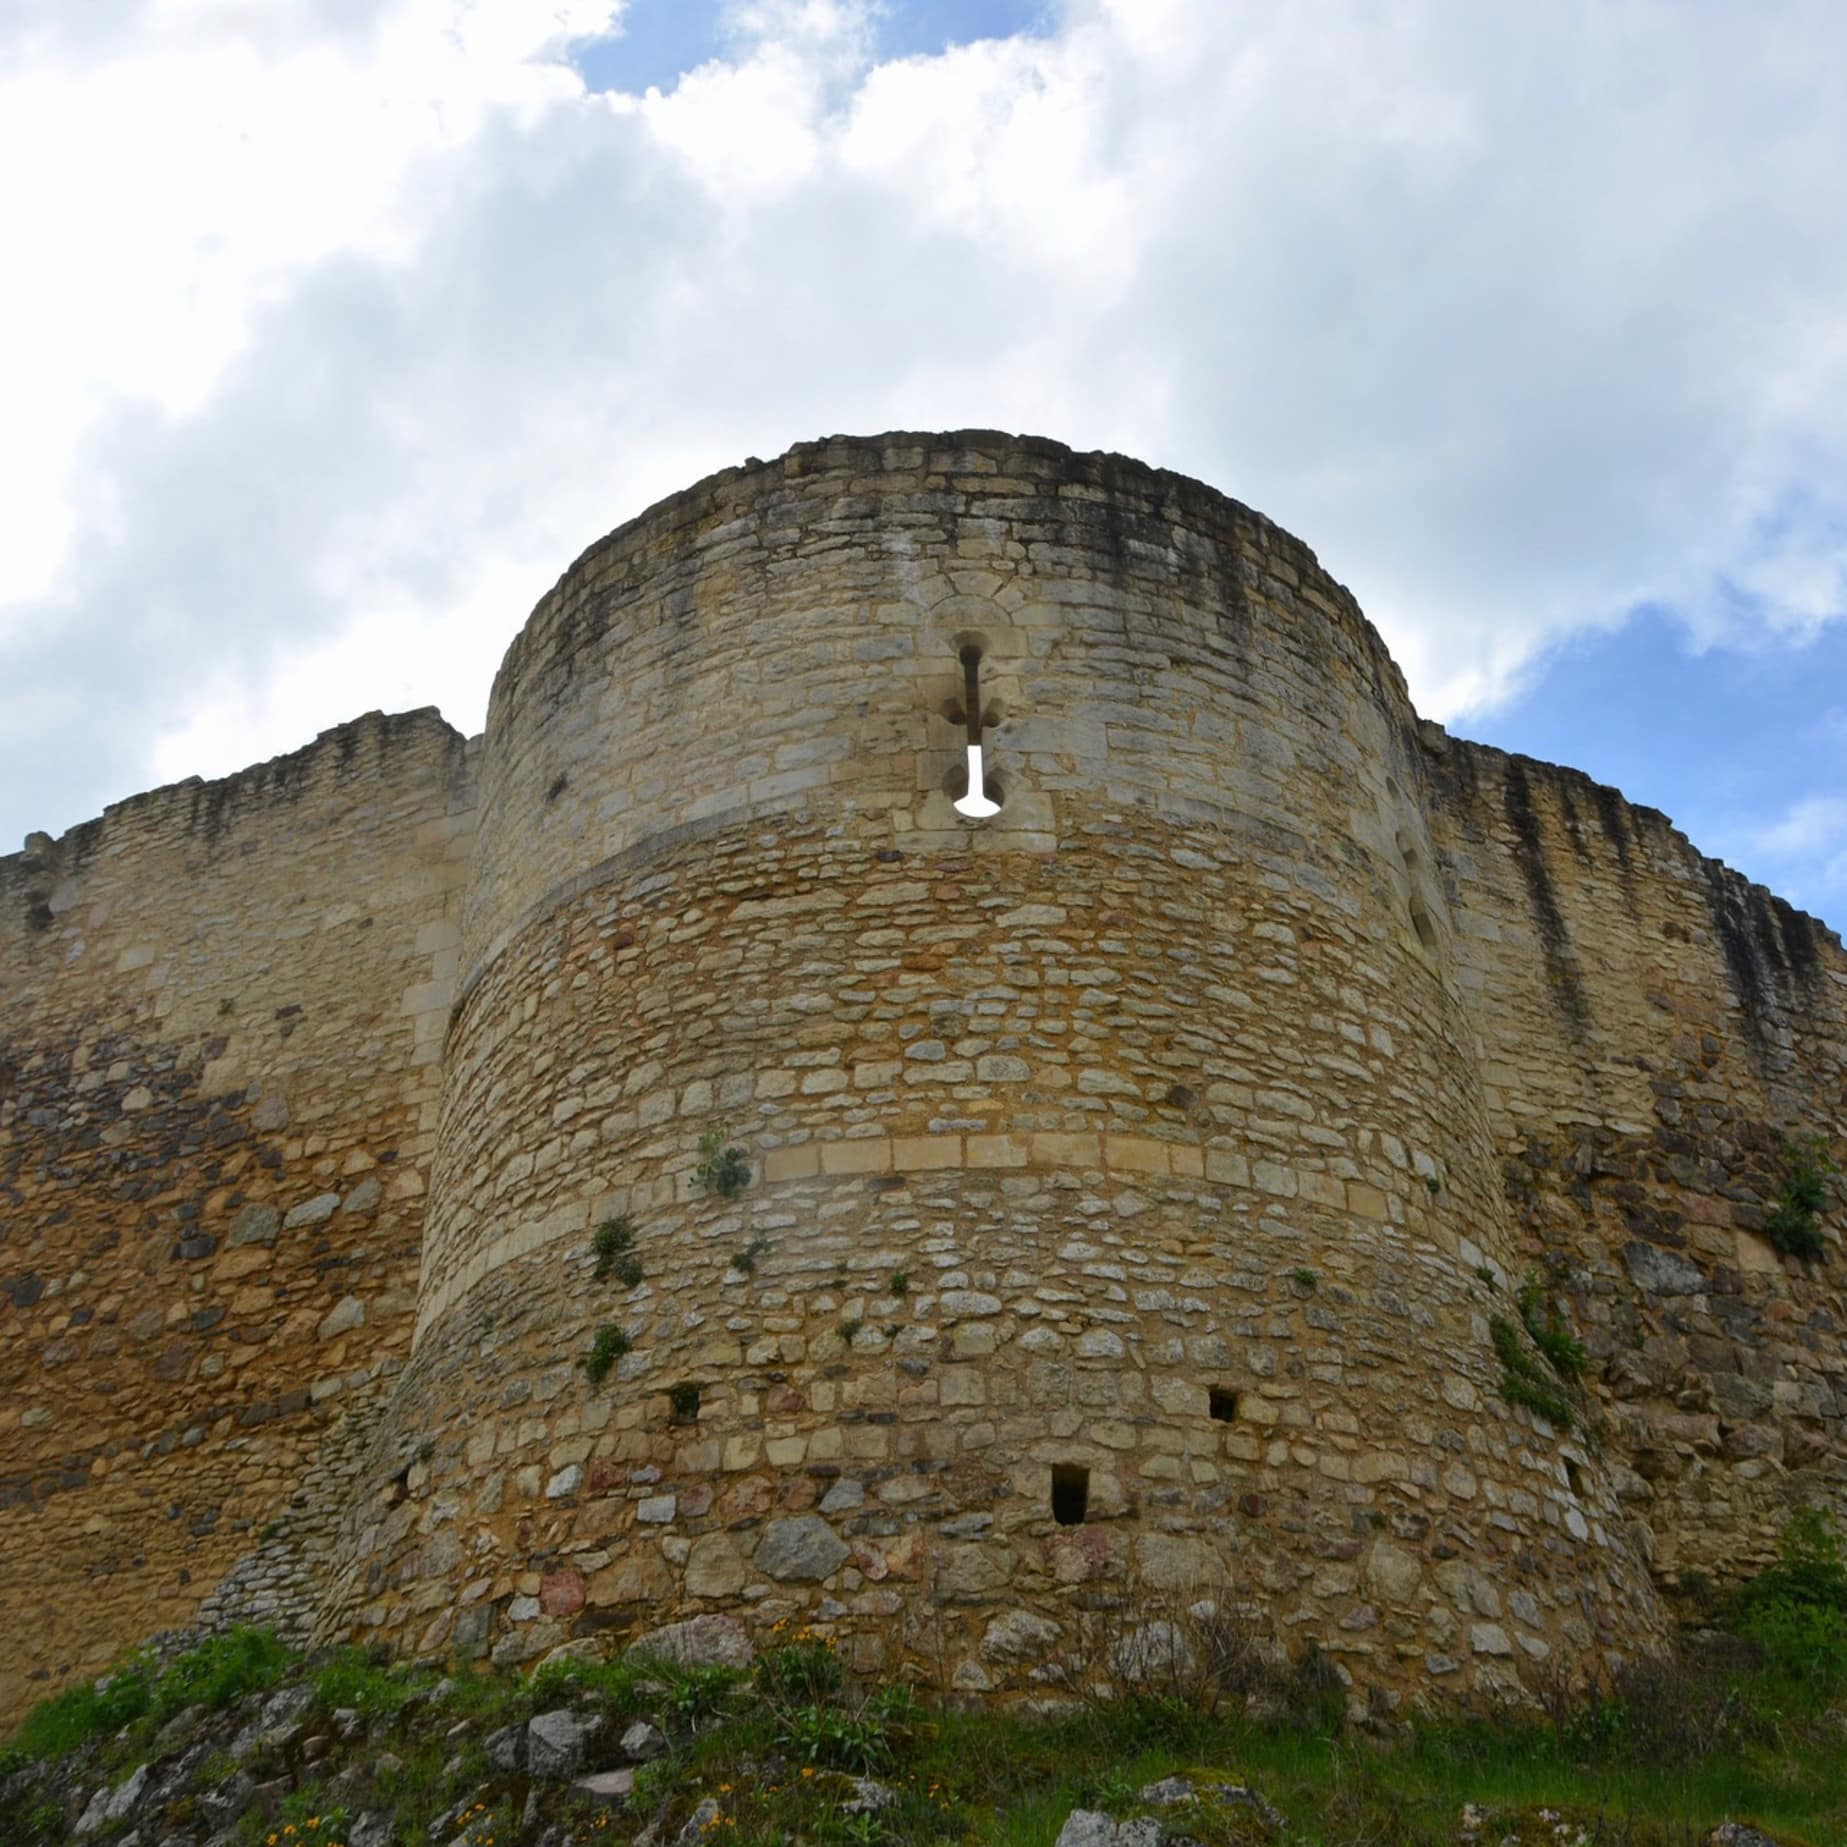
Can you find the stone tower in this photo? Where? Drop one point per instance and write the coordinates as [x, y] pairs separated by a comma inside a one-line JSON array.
[[1122, 1207]]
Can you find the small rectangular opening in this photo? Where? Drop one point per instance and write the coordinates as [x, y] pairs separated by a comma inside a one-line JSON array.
[[1222, 1404], [1575, 1477], [1070, 1493]]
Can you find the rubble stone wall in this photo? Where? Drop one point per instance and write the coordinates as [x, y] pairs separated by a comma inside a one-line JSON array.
[[1656, 1032], [221, 1010]]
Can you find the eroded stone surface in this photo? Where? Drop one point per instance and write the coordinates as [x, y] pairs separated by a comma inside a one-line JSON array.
[[701, 1641]]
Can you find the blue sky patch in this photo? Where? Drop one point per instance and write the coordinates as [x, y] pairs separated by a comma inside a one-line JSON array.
[[663, 39], [1685, 732]]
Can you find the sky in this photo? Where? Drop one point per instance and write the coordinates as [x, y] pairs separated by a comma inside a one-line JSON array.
[[332, 332]]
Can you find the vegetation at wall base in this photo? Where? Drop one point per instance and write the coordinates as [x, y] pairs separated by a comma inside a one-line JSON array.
[[248, 1746], [138, 1692]]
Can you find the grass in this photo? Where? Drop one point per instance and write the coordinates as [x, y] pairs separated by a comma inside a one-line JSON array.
[[986, 1778], [779, 1754], [352, 1680], [141, 1695], [1563, 1351]]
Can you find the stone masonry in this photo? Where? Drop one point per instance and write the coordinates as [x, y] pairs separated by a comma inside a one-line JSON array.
[[1133, 1177]]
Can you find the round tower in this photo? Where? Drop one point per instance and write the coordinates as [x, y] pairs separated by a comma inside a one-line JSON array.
[[976, 1219]]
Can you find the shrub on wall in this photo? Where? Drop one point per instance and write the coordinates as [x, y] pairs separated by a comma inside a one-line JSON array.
[[1794, 1221], [608, 1346], [723, 1168]]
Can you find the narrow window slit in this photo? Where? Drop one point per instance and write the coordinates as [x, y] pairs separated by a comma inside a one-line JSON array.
[[1575, 1477], [975, 805], [1070, 1493], [1222, 1405]]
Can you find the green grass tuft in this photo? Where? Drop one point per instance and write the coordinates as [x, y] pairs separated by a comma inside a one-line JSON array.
[[1522, 1382]]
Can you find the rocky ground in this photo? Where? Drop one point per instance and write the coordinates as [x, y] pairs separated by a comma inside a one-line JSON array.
[[697, 1739]]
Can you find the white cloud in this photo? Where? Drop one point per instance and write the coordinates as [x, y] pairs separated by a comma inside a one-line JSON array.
[[1815, 822], [1800, 848], [340, 339], [203, 158]]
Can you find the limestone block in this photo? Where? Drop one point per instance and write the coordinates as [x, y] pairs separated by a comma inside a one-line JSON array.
[[1019, 1637], [557, 1743], [255, 1224], [1392, 1573], [701, 1641], [716, 1568], [345, 1315], [802, 1549]]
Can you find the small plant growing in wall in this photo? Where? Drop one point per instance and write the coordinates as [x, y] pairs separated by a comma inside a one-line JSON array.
[[1523, 1380], [746, 1259], [1547, 1328], [614, 1244], [723, 1167], [1793, 1224], [1305, 1280], [608, 1346], [900, 1283]]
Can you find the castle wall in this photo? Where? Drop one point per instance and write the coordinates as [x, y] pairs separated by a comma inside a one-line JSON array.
[[1182, 1129], [221, 1011], [1158, 1084], [1654, 1029]]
